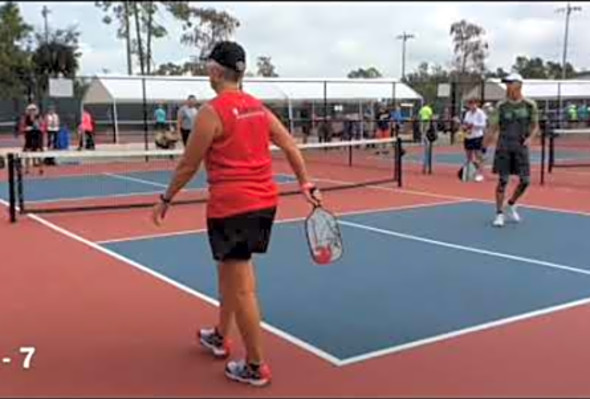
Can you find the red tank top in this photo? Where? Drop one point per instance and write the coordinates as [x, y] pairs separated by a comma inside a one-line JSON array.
[[238, 163]]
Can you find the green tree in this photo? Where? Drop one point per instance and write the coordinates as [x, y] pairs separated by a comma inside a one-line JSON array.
[[425, 80], [57, 56], [129, 15], [361, 73], [498, 74], [169, 69], [213, 26], [15, 46], [266, 67], [533, 68], [537, 68], [121, 12], [469, 47], [202, 27]]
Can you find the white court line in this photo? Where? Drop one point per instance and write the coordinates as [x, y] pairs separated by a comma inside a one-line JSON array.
[[318, 352], [136, 180], [476, 328], [464, 331], [458, 198], [466, 248], [291, 220], [455, 197], [274, 330]]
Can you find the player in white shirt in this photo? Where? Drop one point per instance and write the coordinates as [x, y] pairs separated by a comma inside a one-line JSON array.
[[474, 124]]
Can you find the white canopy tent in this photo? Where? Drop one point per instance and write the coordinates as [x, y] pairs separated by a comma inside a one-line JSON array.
[[114, 90], [537, 89]]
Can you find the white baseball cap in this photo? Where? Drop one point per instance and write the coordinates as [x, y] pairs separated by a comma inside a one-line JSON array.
[[513, 77]]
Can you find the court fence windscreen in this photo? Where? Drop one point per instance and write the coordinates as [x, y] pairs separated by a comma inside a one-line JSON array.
[[72, 181]]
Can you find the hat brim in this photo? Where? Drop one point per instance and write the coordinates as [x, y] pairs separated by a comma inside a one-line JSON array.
[[511, 81]]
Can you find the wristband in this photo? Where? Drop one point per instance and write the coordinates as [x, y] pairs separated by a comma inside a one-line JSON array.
[[309, 187], [164, 199]]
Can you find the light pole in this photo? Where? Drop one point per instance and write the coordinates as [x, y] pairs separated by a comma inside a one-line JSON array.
[[45, 12], [568, 11], [404, 38]]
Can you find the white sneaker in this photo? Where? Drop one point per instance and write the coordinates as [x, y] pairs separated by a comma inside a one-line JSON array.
[[499, 220], [512, 214], [478, 178]]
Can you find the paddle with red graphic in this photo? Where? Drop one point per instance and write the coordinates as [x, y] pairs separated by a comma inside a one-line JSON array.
[[323, 234]]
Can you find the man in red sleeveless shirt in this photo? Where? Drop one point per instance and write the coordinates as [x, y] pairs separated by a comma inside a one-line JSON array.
[[232, 134]]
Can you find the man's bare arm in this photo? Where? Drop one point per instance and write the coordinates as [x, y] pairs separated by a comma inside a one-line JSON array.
[[281, 138], [205, 128]]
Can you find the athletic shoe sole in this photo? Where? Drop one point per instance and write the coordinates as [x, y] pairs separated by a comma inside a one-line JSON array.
[[255, 383]]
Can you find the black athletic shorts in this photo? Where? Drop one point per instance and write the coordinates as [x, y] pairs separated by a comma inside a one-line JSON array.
[[185, 133], [33, 140], [513, 161], [238, 237], [474, 144]]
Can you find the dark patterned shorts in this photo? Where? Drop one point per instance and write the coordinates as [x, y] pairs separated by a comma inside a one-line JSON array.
[[512, 161], [238, 237]]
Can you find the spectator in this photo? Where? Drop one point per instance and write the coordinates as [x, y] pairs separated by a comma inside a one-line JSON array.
[[325, 131], [425, 115], [383, 126], [474, 124], [186, 116], [584, 115], [32, 125], [52, 123], [572, 115], [397, 120], [305, 124], [160, 117], [86, 131], [425, 119]]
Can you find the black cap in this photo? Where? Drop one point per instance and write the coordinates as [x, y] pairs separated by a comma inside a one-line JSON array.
[[230, 55]]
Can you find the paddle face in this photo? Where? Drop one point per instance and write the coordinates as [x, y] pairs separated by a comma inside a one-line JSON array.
[[323, 236]]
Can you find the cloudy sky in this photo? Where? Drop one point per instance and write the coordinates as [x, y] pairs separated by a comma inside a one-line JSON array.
[[328, 39]]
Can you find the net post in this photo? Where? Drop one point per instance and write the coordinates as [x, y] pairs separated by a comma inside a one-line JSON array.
[[11, 188], [18, 167], [350, 155]]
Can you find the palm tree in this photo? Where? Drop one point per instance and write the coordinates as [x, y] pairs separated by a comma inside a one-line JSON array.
[[57, 57]]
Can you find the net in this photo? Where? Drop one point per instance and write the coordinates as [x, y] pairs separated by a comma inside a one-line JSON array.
[[569, 148], [70, 181]]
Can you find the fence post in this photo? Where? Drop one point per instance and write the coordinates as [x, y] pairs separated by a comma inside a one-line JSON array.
[[543, 144]]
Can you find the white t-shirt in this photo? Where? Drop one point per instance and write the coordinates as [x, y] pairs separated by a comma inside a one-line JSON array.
[[478, 119], [52, 122]]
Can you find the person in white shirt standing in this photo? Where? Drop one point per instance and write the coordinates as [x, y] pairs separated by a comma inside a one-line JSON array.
[[52, 123], [474, 123]]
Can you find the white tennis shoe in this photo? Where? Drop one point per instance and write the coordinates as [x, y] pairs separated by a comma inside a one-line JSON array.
[[512, 214], [499, 220]]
